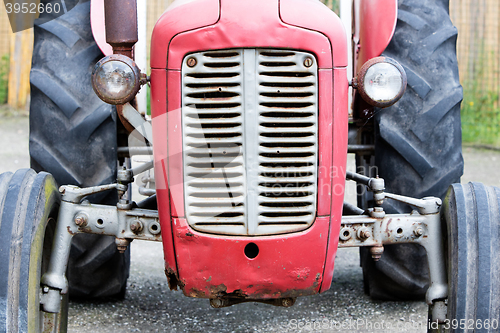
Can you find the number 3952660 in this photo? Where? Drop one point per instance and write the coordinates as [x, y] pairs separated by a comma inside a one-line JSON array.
[[32, 8]]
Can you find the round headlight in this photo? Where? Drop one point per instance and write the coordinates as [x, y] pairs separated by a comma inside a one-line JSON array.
[[116, 79], [381, 81]]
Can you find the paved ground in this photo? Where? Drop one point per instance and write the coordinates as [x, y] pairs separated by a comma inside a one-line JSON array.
[[151, 307]]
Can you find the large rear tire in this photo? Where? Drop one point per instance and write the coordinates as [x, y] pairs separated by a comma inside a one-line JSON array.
[[29, 204], [472, 215], [418, 140], [73, 135]]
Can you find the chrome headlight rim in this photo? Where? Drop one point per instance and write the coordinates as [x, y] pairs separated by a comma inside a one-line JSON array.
[[359, 82], [100, 91]]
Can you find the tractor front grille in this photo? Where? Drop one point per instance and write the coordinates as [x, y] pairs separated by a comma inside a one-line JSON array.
[[250, 141]]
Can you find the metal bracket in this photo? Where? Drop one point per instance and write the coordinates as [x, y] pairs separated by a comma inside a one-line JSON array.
[[415, 228], [135, 119], [75, 217]]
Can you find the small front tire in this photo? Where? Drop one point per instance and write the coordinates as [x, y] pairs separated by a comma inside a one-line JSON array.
[[29, 204], [472, 215]]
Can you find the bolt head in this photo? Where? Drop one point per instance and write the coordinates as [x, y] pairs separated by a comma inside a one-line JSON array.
[[308, 62], [81, 220], [191, 62], [418, 232], [216, 303]]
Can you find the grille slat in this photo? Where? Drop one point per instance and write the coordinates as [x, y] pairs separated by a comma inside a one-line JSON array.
[[250, 141]]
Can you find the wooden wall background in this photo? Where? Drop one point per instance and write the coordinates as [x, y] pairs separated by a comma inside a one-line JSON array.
[[478, 46], [478, 23]]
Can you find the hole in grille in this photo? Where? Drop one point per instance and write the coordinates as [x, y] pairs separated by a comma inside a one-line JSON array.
[[221, 54], [287, 114], [285, 223], [214, 94], [212, 85], [286, 195], [277, 54], [285, 186], [217, 223], [292, 105], [214, 175], [277, 64], [213, 115], [215, 165], [287, 135], [221, 64], [211, 75], [287, 125], [286, 144], [216, 145], [286, 174], [217, 205], [218, 215], [285, 204], [214, 125], [215, 195], [287, 84], [288, 74], [203, 185], [215, 135], [289, 165], [215, 105], [285, 214], [286, 155], [287, 95]]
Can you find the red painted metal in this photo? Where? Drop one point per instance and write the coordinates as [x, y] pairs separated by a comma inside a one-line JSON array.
[[98, 26], [287, 265], [339, 149], [325, 133], [314, 15], [240, 26], [375, 22]]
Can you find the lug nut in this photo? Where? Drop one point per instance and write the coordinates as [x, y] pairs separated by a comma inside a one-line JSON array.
[[81, 220], [364, 233], [191, 62], [308, 62], [136, 226]]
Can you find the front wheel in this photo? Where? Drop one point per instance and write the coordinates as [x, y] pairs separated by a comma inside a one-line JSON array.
[[29, 204], [472, 215]]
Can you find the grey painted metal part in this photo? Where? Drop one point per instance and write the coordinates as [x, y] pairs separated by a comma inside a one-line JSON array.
[[250, 141], [76, 217], [375, 231]]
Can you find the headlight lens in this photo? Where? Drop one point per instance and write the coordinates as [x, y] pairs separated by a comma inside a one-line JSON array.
[[381, 81], [115, 79]]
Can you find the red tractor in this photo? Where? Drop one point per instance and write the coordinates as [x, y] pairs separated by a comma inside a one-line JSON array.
[[250, 130]]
